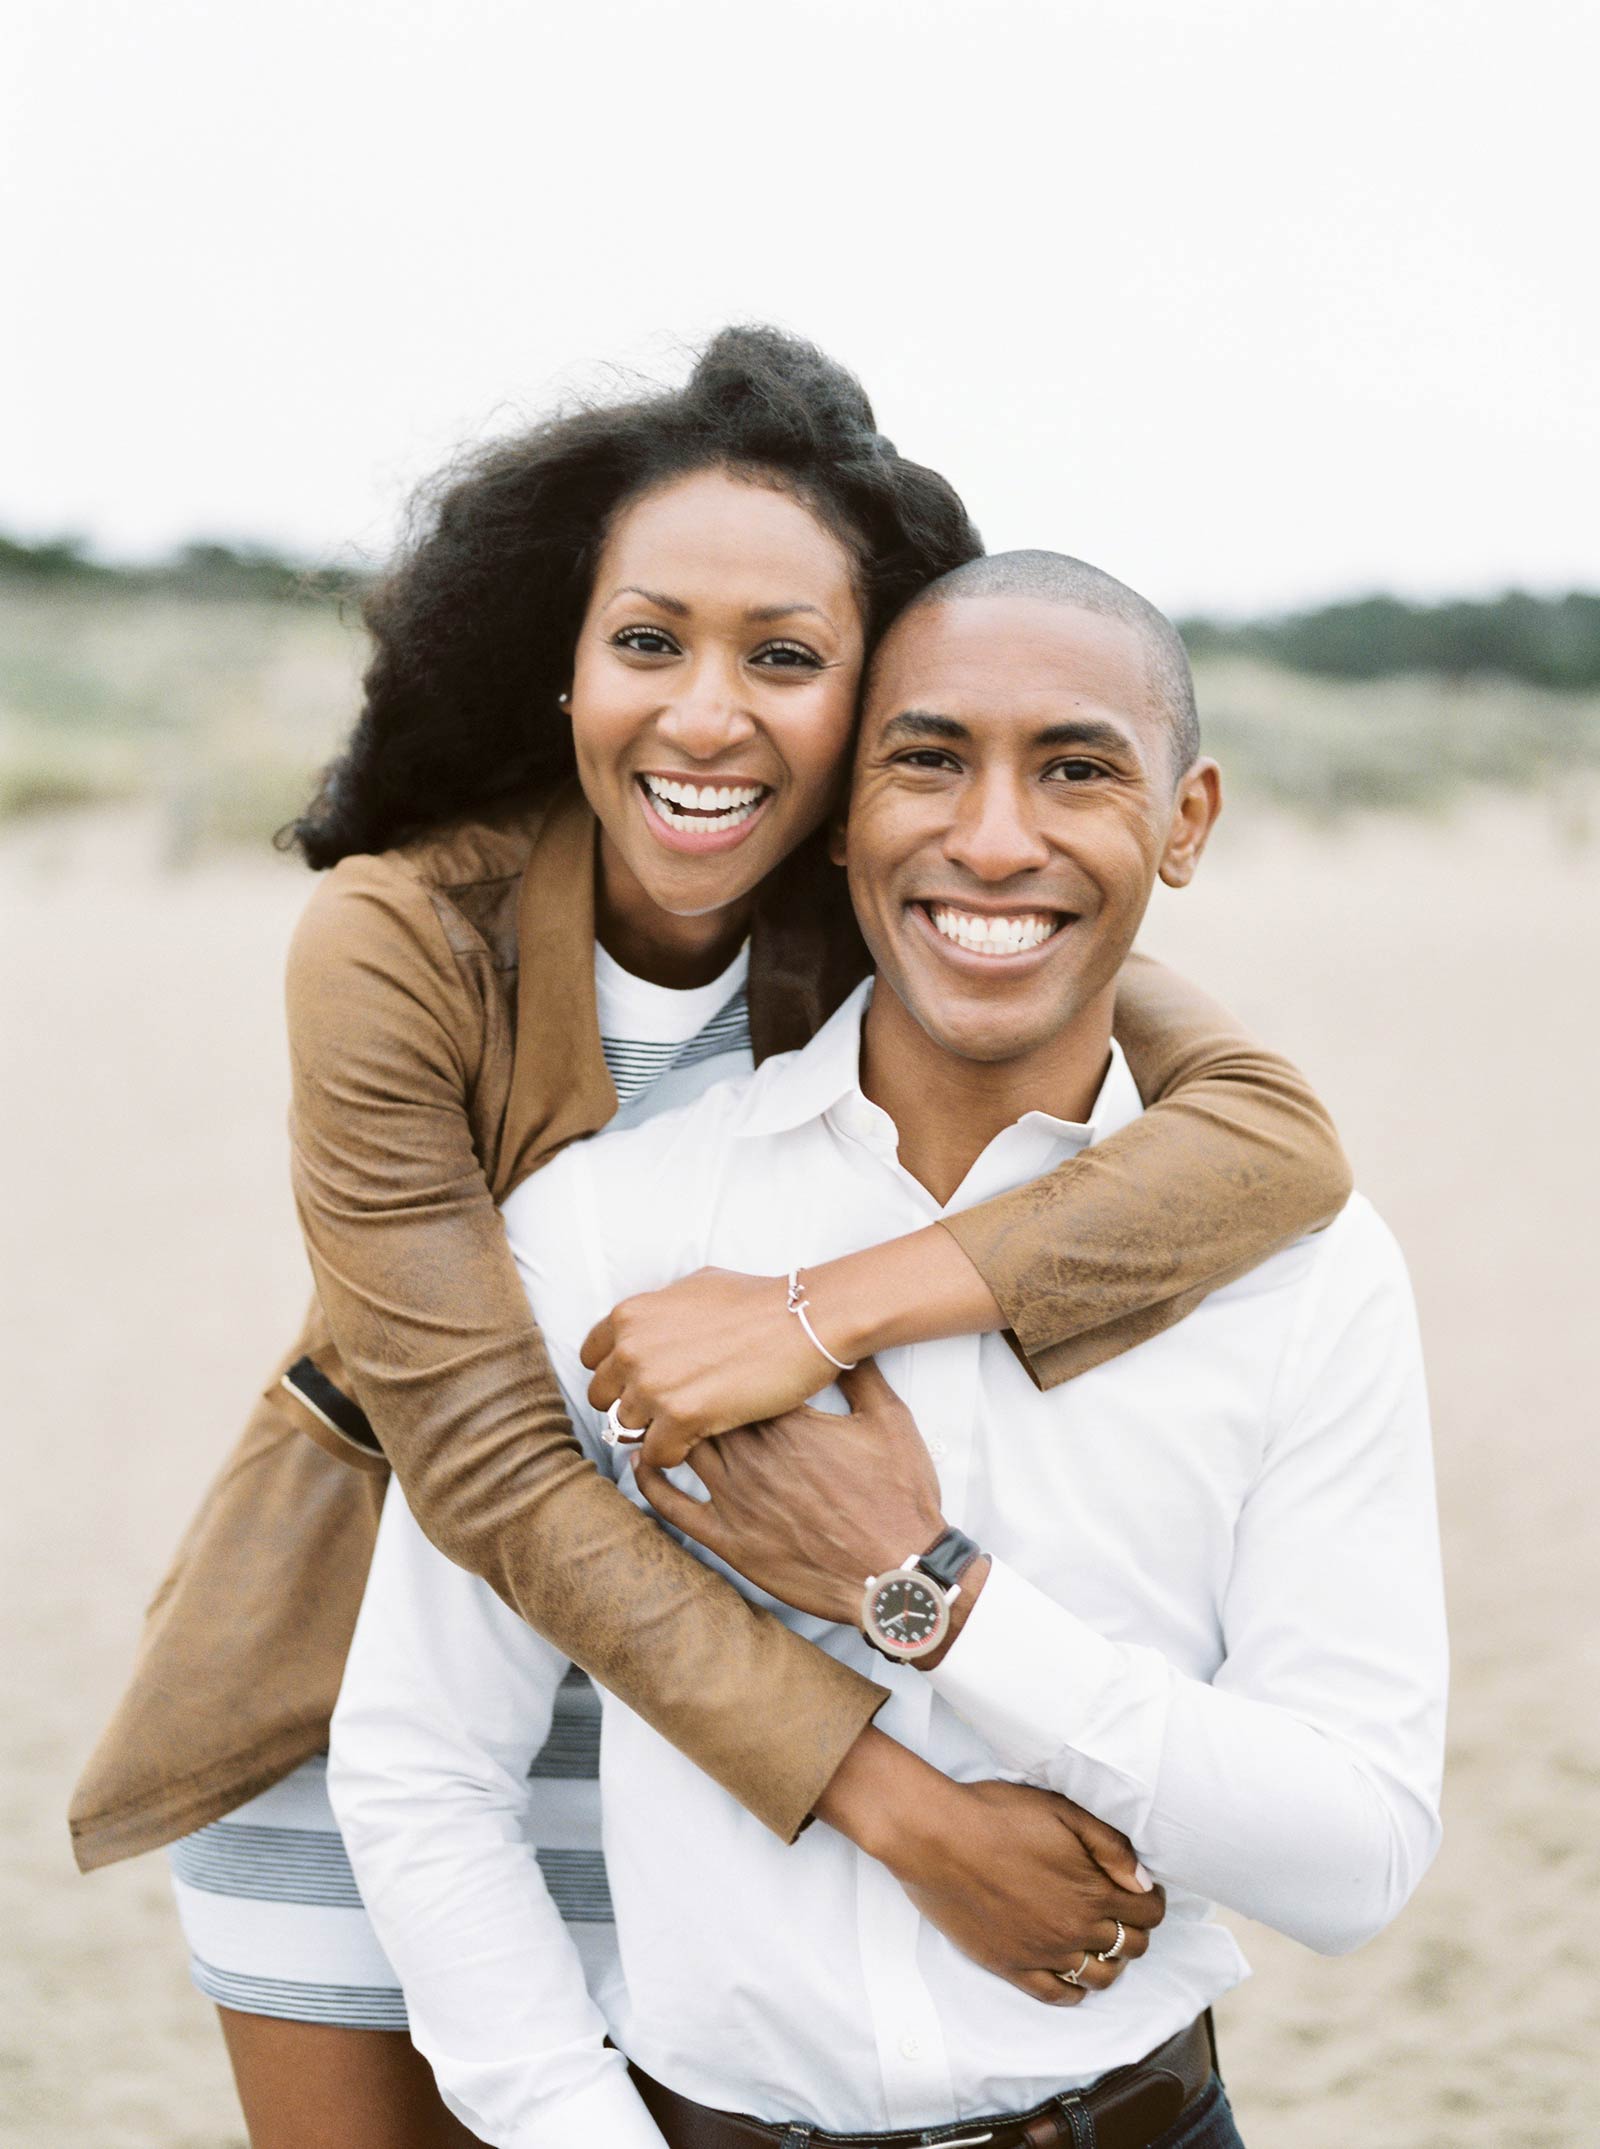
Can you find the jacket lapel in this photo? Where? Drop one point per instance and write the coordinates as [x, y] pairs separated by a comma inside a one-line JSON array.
[[560, 1088]]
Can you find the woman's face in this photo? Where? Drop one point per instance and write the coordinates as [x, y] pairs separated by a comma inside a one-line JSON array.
[[713, 693]]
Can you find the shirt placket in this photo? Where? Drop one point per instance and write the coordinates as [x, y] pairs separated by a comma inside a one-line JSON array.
[[939, 1387]]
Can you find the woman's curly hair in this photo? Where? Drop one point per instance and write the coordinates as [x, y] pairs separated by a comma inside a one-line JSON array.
[[475, 625]]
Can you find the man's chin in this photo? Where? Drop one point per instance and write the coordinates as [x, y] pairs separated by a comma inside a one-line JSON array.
[[981, 1036]]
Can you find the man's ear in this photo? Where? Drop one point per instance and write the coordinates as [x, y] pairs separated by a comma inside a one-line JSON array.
[[1194, 815], [838, 826]]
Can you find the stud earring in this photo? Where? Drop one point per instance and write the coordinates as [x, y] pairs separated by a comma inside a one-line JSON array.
[[565, 700]]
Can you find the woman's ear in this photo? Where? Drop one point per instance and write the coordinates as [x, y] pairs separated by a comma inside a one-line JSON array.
[[1194, 815], [838, 824]]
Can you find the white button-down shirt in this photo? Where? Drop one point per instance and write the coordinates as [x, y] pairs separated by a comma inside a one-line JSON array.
[[1214, 1618]]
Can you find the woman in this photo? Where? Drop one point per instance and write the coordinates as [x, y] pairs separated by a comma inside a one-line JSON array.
[[672, 600]]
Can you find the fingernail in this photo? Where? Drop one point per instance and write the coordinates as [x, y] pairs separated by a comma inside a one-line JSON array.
[[1143, 1878]]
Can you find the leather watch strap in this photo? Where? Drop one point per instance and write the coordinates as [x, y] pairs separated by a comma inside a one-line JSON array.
[[948, 1558]]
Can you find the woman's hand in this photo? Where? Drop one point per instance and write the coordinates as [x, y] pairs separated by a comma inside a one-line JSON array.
[[1025, 1883], [701, 1356], [717, 1349]]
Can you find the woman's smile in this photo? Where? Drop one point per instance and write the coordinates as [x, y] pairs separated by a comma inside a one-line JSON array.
[[708, 813]]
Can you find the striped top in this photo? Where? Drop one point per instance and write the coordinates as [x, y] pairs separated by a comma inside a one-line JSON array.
[[268, 1902], [659, 1043]]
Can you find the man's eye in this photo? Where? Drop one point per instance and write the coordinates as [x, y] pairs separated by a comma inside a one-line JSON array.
[[787, 657], [925, 757], [645, 641], [1077, 771]]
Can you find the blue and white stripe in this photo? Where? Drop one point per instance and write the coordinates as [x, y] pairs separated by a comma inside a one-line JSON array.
[[636, 1066], [269, 1906]]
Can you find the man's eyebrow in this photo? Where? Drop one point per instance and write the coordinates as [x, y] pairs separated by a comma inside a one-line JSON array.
[[1084, 731], [674, 605], [1071, 731], [923, 724]]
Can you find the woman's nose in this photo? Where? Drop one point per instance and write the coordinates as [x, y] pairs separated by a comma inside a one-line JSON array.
[[707, 715]]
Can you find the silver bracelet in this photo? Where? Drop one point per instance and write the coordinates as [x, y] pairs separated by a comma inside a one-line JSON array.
[[797, 1306]]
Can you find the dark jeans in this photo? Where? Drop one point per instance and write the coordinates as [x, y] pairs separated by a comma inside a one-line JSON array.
[[1207, 2124]]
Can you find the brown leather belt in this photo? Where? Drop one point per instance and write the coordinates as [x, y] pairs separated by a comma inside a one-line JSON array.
[[1127, 2109]]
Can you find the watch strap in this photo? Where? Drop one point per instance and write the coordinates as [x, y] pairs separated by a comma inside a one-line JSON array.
[[948, 1558]]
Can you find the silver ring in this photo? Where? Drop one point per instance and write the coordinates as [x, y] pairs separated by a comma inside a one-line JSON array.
[[618, 1435], [1114, 1952], [1075, 1977]]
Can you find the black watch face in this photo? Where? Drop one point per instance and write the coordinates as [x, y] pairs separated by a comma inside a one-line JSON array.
[[906, 1614]]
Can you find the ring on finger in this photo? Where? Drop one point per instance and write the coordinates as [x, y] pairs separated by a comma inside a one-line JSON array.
[[1114, 1952], [618, 1435], [1075, 1977]]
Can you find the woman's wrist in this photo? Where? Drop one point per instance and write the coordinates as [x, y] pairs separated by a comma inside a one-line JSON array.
[[884, 1798], [909, 1290]]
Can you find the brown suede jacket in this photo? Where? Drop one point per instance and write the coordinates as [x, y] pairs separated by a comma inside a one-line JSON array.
[[444, 1046]]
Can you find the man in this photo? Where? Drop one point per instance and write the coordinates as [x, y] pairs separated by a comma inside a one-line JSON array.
[[1195, 1590]]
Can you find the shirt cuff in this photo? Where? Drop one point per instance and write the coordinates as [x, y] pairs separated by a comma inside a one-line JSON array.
[[608, 2110], [1026, 1674]]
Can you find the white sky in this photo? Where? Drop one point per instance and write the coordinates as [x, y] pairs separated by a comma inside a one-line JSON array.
[[1247, 300]]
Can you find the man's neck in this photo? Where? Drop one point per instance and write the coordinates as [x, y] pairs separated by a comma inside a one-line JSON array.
[[947, 1109]]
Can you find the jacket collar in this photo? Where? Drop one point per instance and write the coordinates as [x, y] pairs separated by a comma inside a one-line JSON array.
[[805, 955]]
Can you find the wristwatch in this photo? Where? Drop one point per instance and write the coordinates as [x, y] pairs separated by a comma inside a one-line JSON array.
[[905, 1614]]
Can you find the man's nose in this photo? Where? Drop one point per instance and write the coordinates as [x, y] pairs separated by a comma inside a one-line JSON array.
[[995, 833], [707, 713]]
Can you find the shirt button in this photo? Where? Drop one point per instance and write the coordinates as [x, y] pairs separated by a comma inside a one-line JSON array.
[[938, 1450], [910, 2047]]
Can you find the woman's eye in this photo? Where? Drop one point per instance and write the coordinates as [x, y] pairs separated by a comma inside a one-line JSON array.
[[787, 656], [645, 641]]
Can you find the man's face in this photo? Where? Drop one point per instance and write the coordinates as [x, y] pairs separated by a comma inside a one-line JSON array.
[[1013, 802]]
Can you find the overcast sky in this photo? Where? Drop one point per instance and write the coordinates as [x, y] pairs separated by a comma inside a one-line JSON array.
[[1250, 301]]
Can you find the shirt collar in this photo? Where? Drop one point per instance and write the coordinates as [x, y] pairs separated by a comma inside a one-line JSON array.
[[802, 1086]]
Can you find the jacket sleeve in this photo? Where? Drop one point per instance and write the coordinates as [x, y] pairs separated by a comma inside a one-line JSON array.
[[432, 1325], [1235, 1158]]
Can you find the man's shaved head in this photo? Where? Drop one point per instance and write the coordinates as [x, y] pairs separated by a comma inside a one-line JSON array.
[[1058, 579]]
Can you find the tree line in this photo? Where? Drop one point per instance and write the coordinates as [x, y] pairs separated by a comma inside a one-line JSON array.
[[1549, 641]]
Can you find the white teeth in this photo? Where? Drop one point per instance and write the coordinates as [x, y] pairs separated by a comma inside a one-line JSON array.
[[991, 936], [703, 806]]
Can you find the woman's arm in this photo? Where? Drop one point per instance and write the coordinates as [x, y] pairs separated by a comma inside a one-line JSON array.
[[432, 1326], [1235, 1158]]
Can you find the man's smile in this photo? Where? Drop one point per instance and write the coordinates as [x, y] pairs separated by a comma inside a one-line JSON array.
[[992, 936]]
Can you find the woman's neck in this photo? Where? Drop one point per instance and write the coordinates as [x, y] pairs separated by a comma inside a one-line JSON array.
[[653, 944]]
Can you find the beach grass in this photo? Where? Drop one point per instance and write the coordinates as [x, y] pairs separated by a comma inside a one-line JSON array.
[[218, 710]]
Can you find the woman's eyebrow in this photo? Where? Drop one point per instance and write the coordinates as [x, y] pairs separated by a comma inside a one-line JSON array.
[[675, 605], [761, 614]]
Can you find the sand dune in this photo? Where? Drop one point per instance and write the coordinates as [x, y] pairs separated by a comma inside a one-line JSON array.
[[1438, 980]]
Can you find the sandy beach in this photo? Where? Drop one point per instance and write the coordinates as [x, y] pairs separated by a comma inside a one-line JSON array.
[[1437, 979]]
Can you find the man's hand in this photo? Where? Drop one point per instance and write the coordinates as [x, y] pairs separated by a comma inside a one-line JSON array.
[[811, 1503], [1025, 1883], [712, 1351]]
